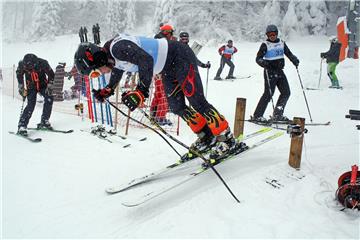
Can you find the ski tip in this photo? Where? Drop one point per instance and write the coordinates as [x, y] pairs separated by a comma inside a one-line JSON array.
[[127, 145], [37, 140], [142, 139], [129, 204], [70, 131]]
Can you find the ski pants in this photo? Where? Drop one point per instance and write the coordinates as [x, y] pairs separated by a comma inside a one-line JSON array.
[[273, 78], [222, 64], [182, 80], [30, 106], [331, 68]]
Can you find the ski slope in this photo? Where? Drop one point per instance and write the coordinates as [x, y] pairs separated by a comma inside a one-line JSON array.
[[55, 189]]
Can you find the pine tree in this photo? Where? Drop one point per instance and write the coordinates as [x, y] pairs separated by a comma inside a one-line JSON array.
[[47, 21]]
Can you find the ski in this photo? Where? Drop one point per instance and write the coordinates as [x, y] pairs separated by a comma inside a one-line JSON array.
[[155, 193], [270, 123], [310, 88], [233, 79], [151, 176], [103, 136], [52, 130], [35, 140]]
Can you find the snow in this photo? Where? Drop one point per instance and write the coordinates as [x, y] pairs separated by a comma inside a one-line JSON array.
[[55, 189]]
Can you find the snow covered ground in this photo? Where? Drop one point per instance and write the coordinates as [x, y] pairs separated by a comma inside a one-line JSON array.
[[55, 189]]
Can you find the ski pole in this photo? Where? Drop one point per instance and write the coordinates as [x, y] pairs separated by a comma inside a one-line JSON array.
[[302, 87], [320, 72], [176, 140], [271, 93], [193, 151], [207, 79]]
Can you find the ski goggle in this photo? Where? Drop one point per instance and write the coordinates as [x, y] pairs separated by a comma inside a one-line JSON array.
[[271, 34], [95, 73], [184, 39]]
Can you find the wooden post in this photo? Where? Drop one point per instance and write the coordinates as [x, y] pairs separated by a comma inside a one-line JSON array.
[[239, 117], [296, 144]]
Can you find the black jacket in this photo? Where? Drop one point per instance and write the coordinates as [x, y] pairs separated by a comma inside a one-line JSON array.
[[332, 56], [277, 64], [41, 72]]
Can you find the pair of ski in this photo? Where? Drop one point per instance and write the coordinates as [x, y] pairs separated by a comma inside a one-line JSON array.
[[233, 79], [271, 123], [36, 140], [199, 170]]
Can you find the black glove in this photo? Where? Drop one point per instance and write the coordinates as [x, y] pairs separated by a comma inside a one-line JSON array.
[[296, 62], [22, 90], [103, 93], [208, 65], [263, 63], [132, 99], [322, 55], [49, 89]]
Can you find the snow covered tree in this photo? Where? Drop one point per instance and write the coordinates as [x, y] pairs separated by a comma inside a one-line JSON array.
[[47, 21], [130, 16], [163, 13]]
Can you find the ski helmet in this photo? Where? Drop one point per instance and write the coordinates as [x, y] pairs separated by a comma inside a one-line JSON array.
[[272, 28], [184, 34], [88, 57], [29, 61], [167, 29]]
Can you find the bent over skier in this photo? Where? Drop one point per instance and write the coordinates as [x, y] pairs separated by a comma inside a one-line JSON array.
[[39, 78], [271, 57], [177, 63]]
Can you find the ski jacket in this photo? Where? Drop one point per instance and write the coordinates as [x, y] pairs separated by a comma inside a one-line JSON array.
[[271, 55], [227, 51], [137, 54], [332, 56], [37, 78]]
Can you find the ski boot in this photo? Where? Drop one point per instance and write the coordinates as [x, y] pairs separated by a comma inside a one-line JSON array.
[[230, 77], [217, 78], [44, 124], [280, 118], [259, 120], [22, 131], [201, 145], [225, 145]]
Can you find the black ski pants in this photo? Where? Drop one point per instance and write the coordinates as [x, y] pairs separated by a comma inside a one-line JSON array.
[[30, 106], [273, 78], [181, 79], [222, 64]]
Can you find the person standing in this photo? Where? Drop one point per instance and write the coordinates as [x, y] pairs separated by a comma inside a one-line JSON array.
[[332, 60], [177, 63], [39, 78], [226, 52], [184, 38], [271, 57]]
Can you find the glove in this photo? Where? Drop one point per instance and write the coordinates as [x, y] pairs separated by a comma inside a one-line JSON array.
[[263, 63], [322, 55], [296, 62], [22, 90], [208, 65], [103, 93], [49, 89], [132, 99]]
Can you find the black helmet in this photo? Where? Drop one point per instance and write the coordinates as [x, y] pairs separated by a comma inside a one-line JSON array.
[[29, 61], [89, 57], [184, 34], [271, 28]]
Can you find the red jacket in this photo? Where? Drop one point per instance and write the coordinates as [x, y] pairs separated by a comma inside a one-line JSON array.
[[227, 51]]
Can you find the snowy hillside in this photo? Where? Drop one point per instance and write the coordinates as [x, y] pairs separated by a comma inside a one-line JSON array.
[[55, 189]]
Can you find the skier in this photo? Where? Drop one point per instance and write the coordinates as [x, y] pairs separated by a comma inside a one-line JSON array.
[[271, 57], [332, 59], [177, 63], [226, 52], [166, 31], [184, 38], [39, 78]]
